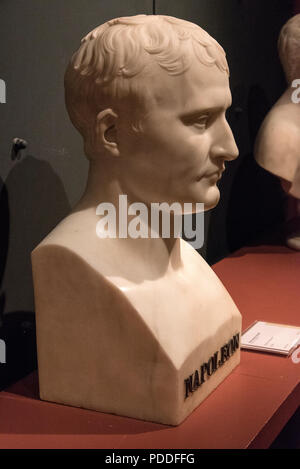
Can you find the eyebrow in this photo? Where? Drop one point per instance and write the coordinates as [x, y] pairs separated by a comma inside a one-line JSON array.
[[203, 111]]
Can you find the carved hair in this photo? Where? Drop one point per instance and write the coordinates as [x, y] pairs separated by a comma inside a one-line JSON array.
[[289, 48], [104, 69]]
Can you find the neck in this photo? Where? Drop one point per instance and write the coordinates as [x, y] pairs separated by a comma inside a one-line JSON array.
[[103, 186]]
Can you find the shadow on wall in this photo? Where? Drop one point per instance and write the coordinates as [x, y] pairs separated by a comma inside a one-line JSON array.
[[33, 201], [257, 202]]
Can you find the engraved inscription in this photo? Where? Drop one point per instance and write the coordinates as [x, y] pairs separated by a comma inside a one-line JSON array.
[[195, 380]]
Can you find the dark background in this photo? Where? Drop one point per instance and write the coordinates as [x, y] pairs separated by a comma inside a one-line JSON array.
[[38, 189]]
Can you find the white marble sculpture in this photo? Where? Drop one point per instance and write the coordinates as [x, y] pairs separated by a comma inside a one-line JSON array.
[[277, 147], [139, 327]]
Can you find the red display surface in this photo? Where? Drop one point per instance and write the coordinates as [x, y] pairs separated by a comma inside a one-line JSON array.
[[247, 410]]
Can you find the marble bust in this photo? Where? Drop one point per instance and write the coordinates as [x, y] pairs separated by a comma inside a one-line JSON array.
[[278, 141], [139, 327]]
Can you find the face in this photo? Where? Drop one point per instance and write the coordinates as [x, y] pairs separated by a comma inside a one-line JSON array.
[[180, 153]]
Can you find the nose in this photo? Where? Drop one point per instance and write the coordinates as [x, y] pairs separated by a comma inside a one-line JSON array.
[[223, 144]]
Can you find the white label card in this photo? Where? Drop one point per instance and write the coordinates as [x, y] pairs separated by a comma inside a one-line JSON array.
[[269, 337]]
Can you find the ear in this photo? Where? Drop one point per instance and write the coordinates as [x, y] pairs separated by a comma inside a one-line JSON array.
[[107, 131]]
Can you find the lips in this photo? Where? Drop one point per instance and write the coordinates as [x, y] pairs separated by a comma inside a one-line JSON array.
[[214, 174], [217, 174], [215, 177]]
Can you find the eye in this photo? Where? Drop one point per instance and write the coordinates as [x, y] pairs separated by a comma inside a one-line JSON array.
[[201, 122]]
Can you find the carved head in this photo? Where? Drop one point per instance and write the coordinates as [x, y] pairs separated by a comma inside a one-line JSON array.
[[116, 61], [289, 48], [154, 90]]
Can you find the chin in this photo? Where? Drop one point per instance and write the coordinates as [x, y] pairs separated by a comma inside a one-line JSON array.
[[212, 198], [209, 195]]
